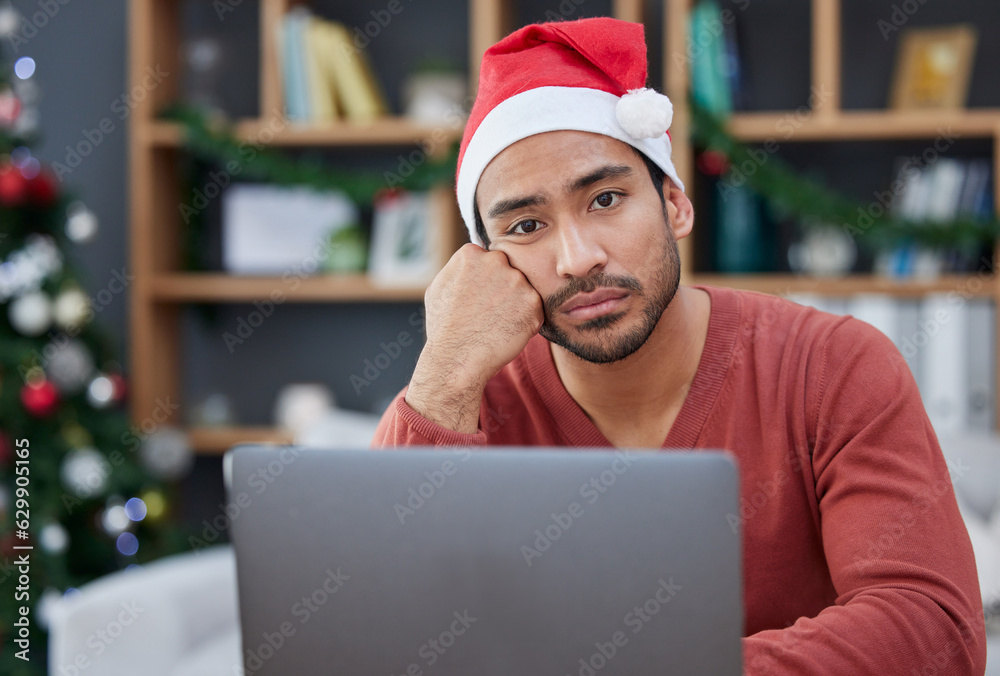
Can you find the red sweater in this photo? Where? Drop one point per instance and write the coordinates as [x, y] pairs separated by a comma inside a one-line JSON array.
[[856, 560]]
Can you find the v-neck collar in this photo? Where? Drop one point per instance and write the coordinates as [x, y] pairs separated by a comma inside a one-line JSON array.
[[578, 430]]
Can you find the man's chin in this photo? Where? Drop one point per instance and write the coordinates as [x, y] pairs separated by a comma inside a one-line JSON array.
[[586, 343]]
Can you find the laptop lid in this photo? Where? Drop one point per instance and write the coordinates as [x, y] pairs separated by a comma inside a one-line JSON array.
[[489, 562]]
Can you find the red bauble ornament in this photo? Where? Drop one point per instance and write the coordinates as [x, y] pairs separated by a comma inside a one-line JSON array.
[[42, 189], [13, 186], [10, 109], [713, 163], [41, 398], [120, 388]]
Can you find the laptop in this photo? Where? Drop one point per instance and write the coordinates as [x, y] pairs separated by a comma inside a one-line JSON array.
[[492, 562]]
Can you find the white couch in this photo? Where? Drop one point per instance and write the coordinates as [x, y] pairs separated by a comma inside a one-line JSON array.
[[174, 617], [178, 616]]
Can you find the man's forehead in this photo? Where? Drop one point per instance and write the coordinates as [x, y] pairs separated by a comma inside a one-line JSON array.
[[559, 157]]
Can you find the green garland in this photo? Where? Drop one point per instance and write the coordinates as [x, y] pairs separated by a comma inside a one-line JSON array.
[[814, 203], [779, 184], [218, 144]]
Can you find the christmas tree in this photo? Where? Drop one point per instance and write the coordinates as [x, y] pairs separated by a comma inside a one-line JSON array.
[[81, 491]]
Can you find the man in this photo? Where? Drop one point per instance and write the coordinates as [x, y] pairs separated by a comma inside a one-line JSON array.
[[564, 323]]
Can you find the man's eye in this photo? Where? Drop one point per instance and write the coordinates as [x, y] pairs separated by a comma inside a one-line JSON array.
[[526, 227], [605, 200]]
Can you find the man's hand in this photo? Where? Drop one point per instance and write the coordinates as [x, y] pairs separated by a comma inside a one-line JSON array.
[[481, 312]]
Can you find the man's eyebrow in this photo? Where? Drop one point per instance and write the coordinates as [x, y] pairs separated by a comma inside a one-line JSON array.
[[608, 171], [506, 206]]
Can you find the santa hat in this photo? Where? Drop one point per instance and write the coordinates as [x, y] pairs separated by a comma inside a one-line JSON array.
[[584, 75]]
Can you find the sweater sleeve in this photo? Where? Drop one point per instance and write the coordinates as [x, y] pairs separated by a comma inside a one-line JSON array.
[[899, 555], [402, 426]]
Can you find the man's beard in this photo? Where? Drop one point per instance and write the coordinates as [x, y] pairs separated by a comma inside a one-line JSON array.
[[662, 289]]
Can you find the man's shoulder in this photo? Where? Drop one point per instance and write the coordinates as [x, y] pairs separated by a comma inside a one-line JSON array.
[[767, 319]]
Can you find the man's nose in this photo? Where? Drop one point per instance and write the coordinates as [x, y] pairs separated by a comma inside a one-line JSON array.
[[580, 252]]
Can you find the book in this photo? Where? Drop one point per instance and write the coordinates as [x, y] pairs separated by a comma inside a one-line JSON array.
[[981, 365], [293, 67], [710, 82], [354, 80], [321, 92], [942, 192], [324, 75], [941, 340], [739, 236]]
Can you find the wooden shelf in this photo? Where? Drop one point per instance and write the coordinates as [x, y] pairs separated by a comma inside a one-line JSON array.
[[218, 440], [223, 288], [161, 291], [966, 285], [389, 131], [783, 127]]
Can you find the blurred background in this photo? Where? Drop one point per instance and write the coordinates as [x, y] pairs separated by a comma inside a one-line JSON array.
[[245, 200]]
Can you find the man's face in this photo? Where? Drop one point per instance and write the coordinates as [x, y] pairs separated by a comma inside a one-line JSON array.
[[578, 215]]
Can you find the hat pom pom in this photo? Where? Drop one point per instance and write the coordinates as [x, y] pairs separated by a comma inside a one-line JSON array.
[[644, 113]]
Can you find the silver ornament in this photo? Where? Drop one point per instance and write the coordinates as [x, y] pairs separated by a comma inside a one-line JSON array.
[[53, 538], [81, 223], [114, 520], [9, 20], [68, 365], [166, 453], [31, 313], [85, 472], [101, 392]]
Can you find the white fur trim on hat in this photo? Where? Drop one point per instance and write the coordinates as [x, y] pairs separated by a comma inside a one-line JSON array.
[[545, 109], [644, 113]]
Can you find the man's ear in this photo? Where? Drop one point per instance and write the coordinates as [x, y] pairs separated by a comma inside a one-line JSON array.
[[679, 209]]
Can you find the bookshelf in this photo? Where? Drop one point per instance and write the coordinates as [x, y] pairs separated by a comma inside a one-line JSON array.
[[162, 289]]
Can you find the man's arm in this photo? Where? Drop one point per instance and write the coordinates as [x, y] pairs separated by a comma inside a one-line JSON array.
[[896, 546], [481, 313]]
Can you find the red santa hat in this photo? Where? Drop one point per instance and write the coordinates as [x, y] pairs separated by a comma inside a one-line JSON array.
[[584, 75]]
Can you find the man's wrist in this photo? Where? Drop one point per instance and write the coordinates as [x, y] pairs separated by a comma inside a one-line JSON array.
[[449, 399]]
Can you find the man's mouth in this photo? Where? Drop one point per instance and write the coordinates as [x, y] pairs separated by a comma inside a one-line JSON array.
[[594, 304]]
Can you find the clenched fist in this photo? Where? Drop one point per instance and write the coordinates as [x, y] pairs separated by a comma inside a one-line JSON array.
[[481, 312]]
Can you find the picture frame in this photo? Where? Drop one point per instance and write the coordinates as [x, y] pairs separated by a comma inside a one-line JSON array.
[[933, 68], [406, 239]]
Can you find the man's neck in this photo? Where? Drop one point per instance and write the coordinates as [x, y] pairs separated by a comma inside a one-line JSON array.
[[651, 384]]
